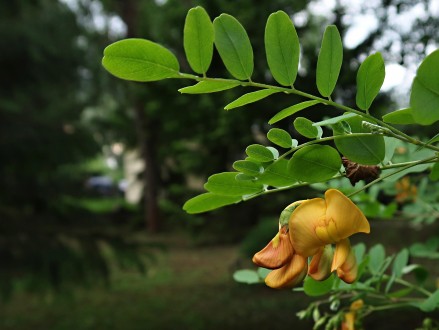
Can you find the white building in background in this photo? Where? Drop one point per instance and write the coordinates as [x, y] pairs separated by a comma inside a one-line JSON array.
[[133, 166]]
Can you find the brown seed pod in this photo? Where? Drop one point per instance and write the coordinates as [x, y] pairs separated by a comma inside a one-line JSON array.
[[356, 172]]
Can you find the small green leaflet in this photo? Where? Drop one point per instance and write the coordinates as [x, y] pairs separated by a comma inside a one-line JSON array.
[[248, 167], [315, 288], [335, 120], [306, 128], [314, 163], [198, 39], [329, 61], [234, 47], [140, 60], [246, 276], [401, 117], [277, 175], [210, 86], [208, 201], [367, 150], [259, 153], [291, 111], [424, 97], [274, 151], [282, 48], [431, 303], [434, 174], [250, 98], [370, 78], [377, 256], [281, 138], [400, 262], [226, 184]]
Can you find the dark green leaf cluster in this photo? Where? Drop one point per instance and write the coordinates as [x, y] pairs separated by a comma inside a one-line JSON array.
[[356, 134]]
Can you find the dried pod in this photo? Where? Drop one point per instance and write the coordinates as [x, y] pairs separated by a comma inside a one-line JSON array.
[[356, 172]]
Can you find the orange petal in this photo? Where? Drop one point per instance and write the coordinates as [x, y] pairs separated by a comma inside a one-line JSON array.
[[342, 250], [320, 265], [289, 275], [277, 252], [303, 223], [343, 216], [348, 270]]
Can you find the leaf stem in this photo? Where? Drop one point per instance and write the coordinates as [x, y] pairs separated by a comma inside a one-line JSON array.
[[395, 132]]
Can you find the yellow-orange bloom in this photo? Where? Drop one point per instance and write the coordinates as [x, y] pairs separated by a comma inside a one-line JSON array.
[[318, 222], [313, 226]]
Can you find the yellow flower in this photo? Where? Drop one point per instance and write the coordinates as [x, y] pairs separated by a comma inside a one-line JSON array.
[[314, 225], [349, 317], [318, 222], [289, 268]]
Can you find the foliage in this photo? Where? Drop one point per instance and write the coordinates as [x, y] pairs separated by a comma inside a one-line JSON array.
[[357, 134]]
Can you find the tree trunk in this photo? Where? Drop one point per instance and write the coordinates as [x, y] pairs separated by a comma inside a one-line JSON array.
[[150, 178]]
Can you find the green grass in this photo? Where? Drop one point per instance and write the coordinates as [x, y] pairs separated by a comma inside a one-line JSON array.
[[186, 287]]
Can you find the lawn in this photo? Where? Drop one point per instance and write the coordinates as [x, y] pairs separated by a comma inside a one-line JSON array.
[[187, 287]]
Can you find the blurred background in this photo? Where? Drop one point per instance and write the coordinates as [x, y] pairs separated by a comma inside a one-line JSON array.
[[94, 170]]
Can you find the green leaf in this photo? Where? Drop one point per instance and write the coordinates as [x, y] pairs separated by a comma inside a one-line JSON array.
[[377, 255], [198, 39], [367, 150], [370, 78], [390, 145], [360, 250], [291, 111], [226, 184], [315, 288], [250, 98], [246, 276], [244, 177], [281, 138], [431, 303], [234, 47], [259, 153], [277, 175], [329, 61], [263, 272], [424, 97], [314, 163], [208, 87], [335, 120], [140, 60], [400, 293], [421, 274], [208, 201], [305, 127], [400, 262], [274, 151], [434, 174], [400, 117], [282, 48], [248, 167]]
